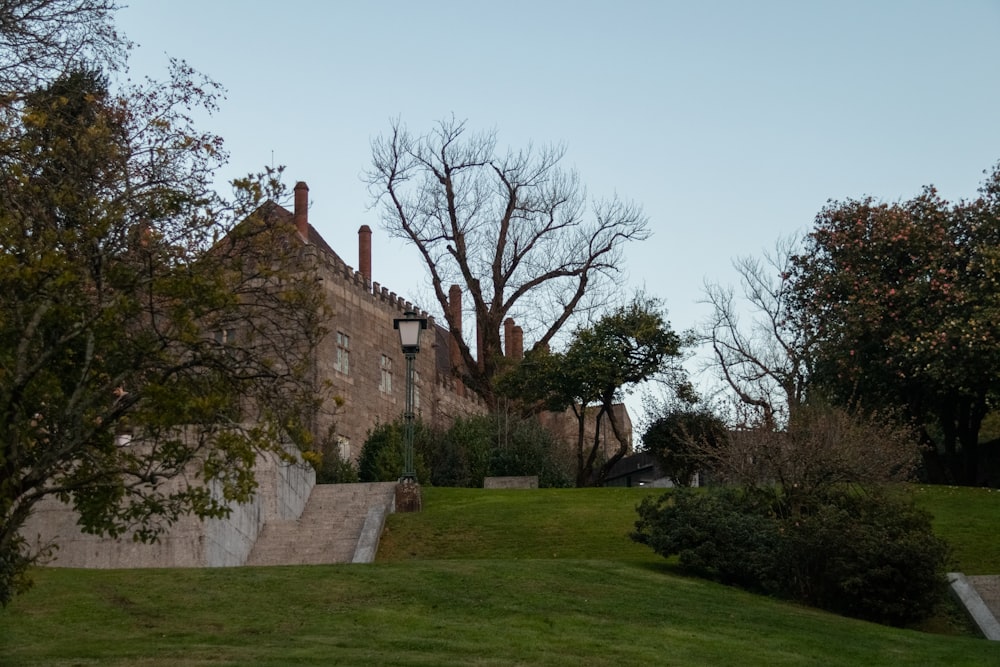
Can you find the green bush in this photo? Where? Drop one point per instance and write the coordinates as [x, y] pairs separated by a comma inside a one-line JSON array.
[[471, 449], [381, 458], [14, 563], [685, 442], [867, 555], [461, 455], [332, 469], [522, 446], [726, 535], [498, 444]]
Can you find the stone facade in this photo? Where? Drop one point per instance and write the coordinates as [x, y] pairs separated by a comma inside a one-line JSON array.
[[564, 425], [359, 363]]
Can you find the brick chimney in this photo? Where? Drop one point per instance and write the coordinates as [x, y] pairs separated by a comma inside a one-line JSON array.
[[365, 252], [302, 209], [455, 304], [517, 348], [508, 338], [480, 357]]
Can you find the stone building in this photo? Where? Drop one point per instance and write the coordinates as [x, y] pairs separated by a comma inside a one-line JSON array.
[[359, 365], [360, 361]]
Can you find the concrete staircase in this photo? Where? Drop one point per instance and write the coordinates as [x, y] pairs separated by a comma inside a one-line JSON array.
[[341, 523], [980, 595]]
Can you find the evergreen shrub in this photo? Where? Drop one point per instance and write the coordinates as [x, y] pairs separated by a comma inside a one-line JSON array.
[[382, 454], [471, 449], [869, 554]]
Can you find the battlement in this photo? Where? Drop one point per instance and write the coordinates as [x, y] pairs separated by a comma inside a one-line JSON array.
[[331, 266]]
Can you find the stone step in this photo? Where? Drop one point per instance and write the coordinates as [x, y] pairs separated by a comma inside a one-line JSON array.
[[328, 530]]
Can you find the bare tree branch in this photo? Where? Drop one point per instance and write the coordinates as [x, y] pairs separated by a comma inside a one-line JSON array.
[[764, 362], [42, 39], [513, 229]]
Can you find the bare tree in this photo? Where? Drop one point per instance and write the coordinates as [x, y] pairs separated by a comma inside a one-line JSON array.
[[42, 39], [765, 362], [820, 447], [514, 230]]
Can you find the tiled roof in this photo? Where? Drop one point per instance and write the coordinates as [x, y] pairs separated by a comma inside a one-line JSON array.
[[272, 212]]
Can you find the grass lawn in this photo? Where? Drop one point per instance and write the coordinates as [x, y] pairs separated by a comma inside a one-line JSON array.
[[591, 523], [478, 578], [543, 523], [968, 518]]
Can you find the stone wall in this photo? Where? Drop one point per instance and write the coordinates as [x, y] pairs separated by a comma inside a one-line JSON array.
[[364, 314], [564, 426], [283, 487], [528, 482], [282, 494]]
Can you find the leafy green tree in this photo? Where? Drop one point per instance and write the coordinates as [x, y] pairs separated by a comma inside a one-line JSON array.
[[681, 439], [144, 362], [631, 344], [903, 304]]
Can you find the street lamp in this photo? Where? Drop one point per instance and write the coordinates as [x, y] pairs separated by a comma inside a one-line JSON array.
[[409, 339]]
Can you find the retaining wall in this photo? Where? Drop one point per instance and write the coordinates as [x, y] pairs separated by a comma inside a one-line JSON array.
[[282, 494]]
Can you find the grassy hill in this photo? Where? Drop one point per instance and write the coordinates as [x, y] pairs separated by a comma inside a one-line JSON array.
[[478, 578], [968, 519]]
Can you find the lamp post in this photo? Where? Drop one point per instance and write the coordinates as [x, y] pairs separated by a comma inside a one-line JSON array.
[[409, 339]]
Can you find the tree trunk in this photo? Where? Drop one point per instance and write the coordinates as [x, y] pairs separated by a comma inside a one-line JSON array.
[[622, 443], [583, 471], [971, 415]]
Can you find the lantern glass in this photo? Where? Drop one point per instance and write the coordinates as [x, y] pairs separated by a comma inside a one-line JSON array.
[[409, 333]]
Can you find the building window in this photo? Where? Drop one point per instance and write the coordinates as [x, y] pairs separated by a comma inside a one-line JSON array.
[[343, 361], [226, 339], [385, 381], [344, 448], [225, 336]]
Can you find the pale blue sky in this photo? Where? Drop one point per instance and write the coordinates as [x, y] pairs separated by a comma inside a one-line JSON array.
[[731, 122]]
